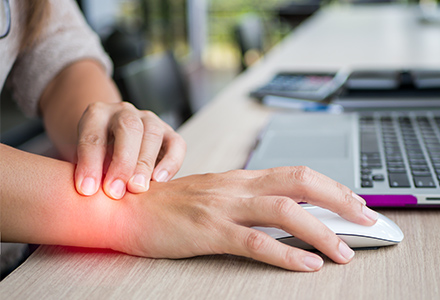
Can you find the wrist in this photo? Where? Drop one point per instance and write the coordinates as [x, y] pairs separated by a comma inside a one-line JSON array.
[[126, 228], [82, 221]]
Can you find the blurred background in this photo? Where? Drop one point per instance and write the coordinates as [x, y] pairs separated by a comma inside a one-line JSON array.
[[174, 56], [212, 40]]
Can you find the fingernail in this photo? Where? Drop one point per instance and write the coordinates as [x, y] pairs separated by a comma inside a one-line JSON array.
[[140, 180], [345, 251], [359, 198], [370, 214], [117, 189], [88, 186], [162, 176], [313, 262]]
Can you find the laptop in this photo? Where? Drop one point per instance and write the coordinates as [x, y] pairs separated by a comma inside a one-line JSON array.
[[390, 158]]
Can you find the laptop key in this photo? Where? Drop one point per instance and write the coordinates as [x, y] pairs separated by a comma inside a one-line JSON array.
[[424, 182], [378, 177], [369, 156], [394, 158], [396, 170], [365, 177], [416, 156], [395, 164], [420, 168], [417, 161], [367, 183], [369, 165], [421, 173], [398, 180], [366, 171], [419, 164]]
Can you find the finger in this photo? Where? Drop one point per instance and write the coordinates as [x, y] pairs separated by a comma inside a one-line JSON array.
[[174, 148], [259, 246], [305, 185], [286, 214], [91, 149], [151, 143], [127, 128]]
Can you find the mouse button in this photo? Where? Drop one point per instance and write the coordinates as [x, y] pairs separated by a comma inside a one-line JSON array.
[[332, 220], [384, 229], [387, 229], [321, 213], [344, 227]]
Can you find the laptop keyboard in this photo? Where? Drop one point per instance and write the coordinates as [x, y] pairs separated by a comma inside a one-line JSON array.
[[403, 150]]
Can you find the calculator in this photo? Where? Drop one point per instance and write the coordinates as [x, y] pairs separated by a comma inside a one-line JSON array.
[[306, 86]]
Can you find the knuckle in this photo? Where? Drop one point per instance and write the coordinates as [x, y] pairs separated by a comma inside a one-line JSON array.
[[146, 163], [91, 139], [303, 174], [283, 207], [289, 258], [255, 241], [154, 130], [343, 188], [130, 122], [340, 186], [346, 204], [347, 200], [93, 111]]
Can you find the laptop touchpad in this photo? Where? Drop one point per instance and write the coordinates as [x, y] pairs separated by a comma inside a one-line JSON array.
[[306, 145]]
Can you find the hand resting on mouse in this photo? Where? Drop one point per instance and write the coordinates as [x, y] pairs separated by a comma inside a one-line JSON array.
[[189, 216], [383, 233]]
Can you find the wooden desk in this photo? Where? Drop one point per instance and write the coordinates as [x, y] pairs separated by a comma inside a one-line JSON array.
[[219, 138]]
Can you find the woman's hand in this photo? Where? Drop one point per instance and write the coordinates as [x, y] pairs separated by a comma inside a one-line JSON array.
[[129, 146], [213, 213]]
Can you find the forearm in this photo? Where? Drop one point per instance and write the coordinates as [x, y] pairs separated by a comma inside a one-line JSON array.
[[39, 204], [189, 216], [67, 97]]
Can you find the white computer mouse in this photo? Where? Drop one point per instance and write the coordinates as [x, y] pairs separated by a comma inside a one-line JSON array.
[[384, 233]]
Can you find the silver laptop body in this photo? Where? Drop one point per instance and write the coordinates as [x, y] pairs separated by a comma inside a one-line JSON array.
[[367, 152]]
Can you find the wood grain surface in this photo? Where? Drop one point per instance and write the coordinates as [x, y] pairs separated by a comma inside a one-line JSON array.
[[219, 138]]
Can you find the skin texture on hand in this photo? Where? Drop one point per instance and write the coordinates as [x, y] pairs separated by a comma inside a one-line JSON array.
[[189, 216], [90, 125], [212, 213], [137, 145]]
